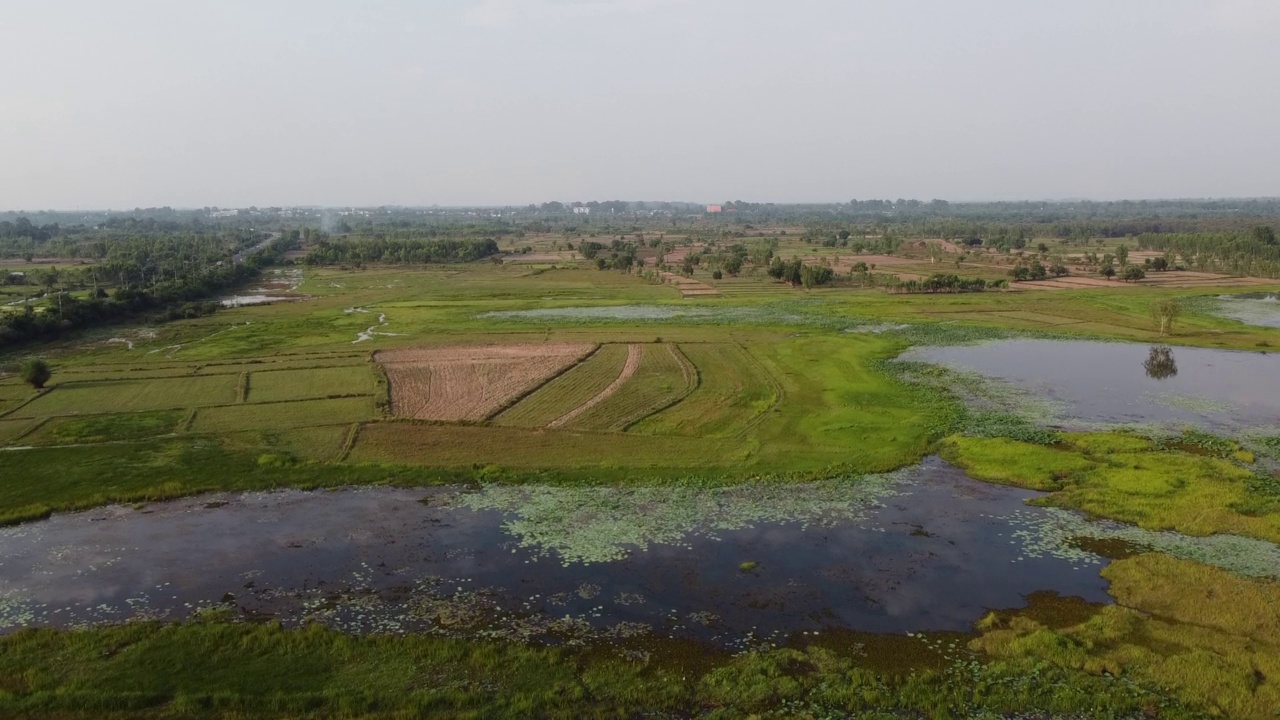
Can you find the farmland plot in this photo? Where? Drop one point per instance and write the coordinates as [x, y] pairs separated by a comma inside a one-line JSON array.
[[734, 391], [103, 396], [568, 391], [662, 378], [277, 416], [470, 383], [276, 385]]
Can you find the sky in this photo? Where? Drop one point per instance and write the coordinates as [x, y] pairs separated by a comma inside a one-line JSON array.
[[492, 102]]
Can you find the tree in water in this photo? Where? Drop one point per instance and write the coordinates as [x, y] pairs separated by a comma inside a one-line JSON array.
[[1159, 363], [1165, 313]]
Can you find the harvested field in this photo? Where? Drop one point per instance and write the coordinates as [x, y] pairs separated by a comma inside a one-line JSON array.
[[1169, 279], [541, 257], [663, 377], [734, 391], [689, 287], [634, 353], [276, 385], [470, 383], [569, 390]]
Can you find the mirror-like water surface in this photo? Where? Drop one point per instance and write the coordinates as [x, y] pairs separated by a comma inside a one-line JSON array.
[[1098, 382], [930, 550]]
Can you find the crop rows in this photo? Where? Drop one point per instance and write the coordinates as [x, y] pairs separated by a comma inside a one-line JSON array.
[[662, 378], [569, 390], [733, 391]]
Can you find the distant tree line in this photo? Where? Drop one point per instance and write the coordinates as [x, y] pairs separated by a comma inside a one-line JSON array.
[[360, 250]]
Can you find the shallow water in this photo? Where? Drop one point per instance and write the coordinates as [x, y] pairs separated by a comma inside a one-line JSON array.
[[242, 300], [1251, 308], [929, 550], [1097, 382]]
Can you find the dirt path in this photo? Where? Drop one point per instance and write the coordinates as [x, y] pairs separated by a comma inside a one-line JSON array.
[[634, 352]]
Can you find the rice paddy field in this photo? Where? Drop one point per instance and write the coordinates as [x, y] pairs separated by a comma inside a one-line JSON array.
[[539, 490]]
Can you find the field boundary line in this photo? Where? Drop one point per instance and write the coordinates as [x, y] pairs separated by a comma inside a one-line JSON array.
[[28, 401], [381, 386], [778, 392], [349, 443], [629, 367], [30, 429], [691, 381], [188, 421], [242, 387], [538, 386]]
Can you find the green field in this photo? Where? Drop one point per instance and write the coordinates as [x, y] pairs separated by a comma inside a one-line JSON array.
[[568, 390], [663, 378], [734, 392], [278, 385], [281, 415], [769, 383], [101, 396]]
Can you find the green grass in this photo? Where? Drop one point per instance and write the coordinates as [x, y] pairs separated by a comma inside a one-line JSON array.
[[734, 391], [282, 415], [11, 429], [567, 391], [563, 450], [663, 377], [1010, 462], [1112, 476], [1210, 638], [74, 478], [214, 669], [103, 396], [277, 385], [106, 428]]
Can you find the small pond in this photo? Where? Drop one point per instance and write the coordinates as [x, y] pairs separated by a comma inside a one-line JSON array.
[[1127, 383], [925, 549], [1251, 308]]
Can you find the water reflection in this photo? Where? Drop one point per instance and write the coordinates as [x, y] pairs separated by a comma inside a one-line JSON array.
[[1160, 363], [922, 550]]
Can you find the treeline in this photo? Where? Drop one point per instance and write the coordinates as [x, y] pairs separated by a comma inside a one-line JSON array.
[[1254, 252], [943, 283], [361, 250], [144, 288]]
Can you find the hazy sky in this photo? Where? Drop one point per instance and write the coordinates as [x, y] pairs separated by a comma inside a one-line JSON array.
[[128, 103]]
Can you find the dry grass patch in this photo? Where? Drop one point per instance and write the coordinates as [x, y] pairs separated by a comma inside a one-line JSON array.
[[470, 383]]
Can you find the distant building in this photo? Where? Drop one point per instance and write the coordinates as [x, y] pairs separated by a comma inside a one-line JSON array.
[[582, 210], [714, 209]]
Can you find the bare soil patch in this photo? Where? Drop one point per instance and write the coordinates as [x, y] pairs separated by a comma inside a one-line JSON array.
[[470, 383], [634, 353]]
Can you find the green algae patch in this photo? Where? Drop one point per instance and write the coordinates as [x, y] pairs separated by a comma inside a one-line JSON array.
[[1121, 476], [1207, 636], [1013, 462]]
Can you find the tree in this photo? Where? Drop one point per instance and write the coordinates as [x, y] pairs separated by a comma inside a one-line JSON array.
[[1133, 273], [36, 373], [1164, 313], [1122, 254]]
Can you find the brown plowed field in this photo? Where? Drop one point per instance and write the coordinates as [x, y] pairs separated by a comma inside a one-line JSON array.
[[634, 353], [470, 383]]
